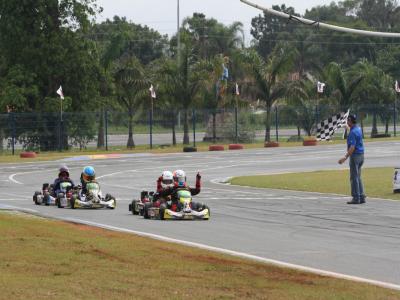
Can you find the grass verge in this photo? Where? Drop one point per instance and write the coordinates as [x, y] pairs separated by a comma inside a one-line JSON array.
[[378, 182], [50, 259]]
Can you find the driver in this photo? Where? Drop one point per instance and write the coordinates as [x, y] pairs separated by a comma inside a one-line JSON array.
[[63, 176], [88, 175], [181, 184], [164, 182]]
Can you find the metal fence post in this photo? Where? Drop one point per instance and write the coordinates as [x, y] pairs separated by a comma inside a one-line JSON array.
[[194, 127], [394, 116], [276, 124], [13, 132], [106, 127], [236, 126], [59, 134], [151, 129]]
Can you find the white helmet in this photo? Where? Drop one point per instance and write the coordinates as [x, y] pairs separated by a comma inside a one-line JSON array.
[[180, 177], [167, 179]]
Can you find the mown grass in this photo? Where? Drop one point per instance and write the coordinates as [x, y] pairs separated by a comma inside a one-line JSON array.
[[45, 259], [378, 182]]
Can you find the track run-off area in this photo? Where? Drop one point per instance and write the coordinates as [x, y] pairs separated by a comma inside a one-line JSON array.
[[311, 230]]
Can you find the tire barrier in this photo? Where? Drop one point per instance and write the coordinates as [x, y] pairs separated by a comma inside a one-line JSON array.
[[271, 144], [189, 149], [310, 143], [216, 148], [27, 154], [236, 147]]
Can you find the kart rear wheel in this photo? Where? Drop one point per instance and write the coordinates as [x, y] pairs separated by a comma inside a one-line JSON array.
[[133, 207], [35, 198], [58, 203], [162, 212], [146, 210]]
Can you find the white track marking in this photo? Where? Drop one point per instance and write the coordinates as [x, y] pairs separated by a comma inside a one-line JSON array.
[[11, 178]]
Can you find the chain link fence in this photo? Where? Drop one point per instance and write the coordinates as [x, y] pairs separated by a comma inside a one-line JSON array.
[[163, 128]]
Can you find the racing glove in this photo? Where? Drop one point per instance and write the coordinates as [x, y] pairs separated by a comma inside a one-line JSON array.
[[198, 181], [159, 186]]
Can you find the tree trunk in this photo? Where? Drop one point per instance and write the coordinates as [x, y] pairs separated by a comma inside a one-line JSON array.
[[374, 125], [214, 127], [174, 116], [186, 128], [100, 134], [268, 124], [131, 143], [362, 127], [298, 131], [387, 126]]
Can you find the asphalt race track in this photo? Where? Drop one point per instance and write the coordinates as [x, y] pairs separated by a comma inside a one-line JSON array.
[[313, 230]]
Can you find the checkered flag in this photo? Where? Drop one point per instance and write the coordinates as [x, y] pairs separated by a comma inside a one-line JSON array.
[[327, 128]]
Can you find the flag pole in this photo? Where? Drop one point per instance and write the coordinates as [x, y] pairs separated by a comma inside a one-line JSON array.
[[151, 122], [236, 112]]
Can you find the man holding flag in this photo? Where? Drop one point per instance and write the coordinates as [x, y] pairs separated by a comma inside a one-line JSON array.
[[355, 150]]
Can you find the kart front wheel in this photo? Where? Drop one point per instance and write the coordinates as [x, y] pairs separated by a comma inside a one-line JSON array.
[[72, 203], [162, 212], [115, 204]]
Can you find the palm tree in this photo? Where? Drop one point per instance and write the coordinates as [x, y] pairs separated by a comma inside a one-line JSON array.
[[131, 88], [375, 93], [302, 101], [213, 38], [342, 84], [185, 81], [267, 75]]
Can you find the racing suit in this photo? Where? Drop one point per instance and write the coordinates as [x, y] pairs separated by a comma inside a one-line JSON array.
[[57, 189], [84, 183], [159, 197], [173, 193]]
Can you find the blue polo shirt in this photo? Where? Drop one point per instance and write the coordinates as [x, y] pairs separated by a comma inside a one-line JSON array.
[[355, 139]]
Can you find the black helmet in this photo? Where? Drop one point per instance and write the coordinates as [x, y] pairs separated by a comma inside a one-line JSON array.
[[63, 169]]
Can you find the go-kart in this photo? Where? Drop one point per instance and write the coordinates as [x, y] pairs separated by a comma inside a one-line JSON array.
[[65, 195], [181, 209], [137, 206], [43, 197], [92, 198]]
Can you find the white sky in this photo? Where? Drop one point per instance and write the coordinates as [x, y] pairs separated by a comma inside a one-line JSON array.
[[161, 14]]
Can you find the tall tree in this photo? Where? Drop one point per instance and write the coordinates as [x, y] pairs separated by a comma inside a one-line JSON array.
[[185, 80], [269, 78], [267, 29], [43, 40], [342, 85], [131, 88], [211, 38]]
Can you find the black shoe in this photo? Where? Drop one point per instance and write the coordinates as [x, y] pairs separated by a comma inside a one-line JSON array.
[[362, 200], [353, 202]]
